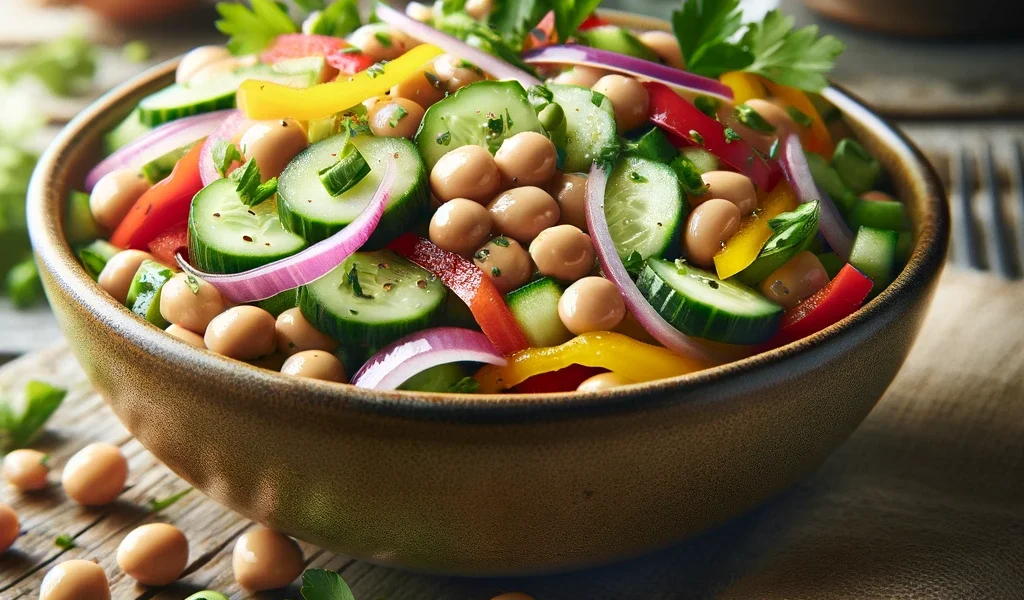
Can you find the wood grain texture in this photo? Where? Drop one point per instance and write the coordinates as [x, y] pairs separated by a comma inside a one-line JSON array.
[[923, 501]]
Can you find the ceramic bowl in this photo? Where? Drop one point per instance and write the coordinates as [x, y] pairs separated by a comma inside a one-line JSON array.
[[498, 485]]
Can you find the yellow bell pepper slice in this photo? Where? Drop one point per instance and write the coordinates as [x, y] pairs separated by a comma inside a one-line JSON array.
[[745, 86], [817, 138], [613, 351], [264, 100], [743, 247]]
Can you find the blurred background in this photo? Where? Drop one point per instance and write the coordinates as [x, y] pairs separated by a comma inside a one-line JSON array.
[[950, 72]]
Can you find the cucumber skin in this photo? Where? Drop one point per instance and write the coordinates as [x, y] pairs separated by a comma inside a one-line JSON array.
[[152, 117], [879, 214], [144, 294], [663, 297], [522, 302], [874, 254]]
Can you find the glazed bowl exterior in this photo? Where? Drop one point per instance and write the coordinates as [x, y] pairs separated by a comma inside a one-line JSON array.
[[500, 485]]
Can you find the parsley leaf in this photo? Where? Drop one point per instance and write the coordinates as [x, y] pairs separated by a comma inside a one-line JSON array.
[[570, 14], [158, 504], [64, 542], [798, 58], [792, 228], [224, 155], [515, 17], [703, 28], [19, 426], [338, 19], [353, 280], [252, 30], [634, 263], [249, 188], [321, 584], [689, 176]]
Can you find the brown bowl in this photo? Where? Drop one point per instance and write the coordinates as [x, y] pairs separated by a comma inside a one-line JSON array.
[[506, 484]]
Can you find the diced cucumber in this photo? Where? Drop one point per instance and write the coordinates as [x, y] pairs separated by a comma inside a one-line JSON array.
[[158, 168], [652, 145], [589, 126], [348, 170], [484, 113], [645, 208], [794, 232], [699, 304], [144, 293], [615, 39], [856, 167], [227, 236], [79, 224], [880, 214], [829, 182], [874, 254], [94, 256], [535, 307], [279, 303], [182, 100], [371, 300], [309, 210], [436, 379], [832, 263], [701, 158], [126, 132]]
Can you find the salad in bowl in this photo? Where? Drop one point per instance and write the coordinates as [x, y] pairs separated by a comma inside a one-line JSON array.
[[474, 198]]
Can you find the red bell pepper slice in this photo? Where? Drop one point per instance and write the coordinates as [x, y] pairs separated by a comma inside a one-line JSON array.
[[562, 380], [163, 206], [174, 241], [349, 63], [592, 21], [469, 283], [679, 117], [833, 303]]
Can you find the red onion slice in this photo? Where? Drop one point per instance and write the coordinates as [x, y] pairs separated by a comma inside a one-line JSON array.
[[798, 174], [452, 45], [231, 121], [165, 138], [615, 271], [310, 264], [573, 54], [417, 352]]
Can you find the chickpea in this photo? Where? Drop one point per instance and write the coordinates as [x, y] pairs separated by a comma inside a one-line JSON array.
[[570, 192], [380, 42], [505, 263], [114, 195], [154, 554], [242, 332], [10, 527], [527, 158], [419, 12], [479, 9], [800, 278], [95, 475], [629, 98], [189, 337], [266, 560], [75, 580], [190, 302], [399, 117], [563, 252], [456, 73], [26, 470], [734, 187], [295, 334], [602, 382], [273, 144], [591, 304], [466, 172], [460, 226], [116, 276], [315, 364], [666, 46], [198, 58], [709, 226], [524, 212], [513, 596], [877, 196], [581, 76], [423, 87]]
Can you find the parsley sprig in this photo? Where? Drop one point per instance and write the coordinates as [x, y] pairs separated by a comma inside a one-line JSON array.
[[253, 29]]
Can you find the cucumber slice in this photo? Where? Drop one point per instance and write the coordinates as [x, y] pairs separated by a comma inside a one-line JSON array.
[[94, 256], [535, 308], [615, 39], [126, 132], [144, 293], [701, 158], [309, 210], [645, 208], [227, 236], [387, 297], [589, 124], [159, 168], [484, 113], [182, 100], [874, 254], [653, 145], [79, 224], [699, 304], [349, 170], [880, 214]]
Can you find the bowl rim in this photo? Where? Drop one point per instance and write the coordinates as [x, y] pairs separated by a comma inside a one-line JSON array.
[[55, 255]]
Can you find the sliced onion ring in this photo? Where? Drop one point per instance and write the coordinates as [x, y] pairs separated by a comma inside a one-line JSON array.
[[417, 352], [229, 125], [425, 33], [615, 271], [798, 174], [310, 264], [574, 54], [165, 138]]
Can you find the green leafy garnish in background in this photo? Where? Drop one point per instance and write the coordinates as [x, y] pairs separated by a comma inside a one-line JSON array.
[[65, 66], [253, 29], [321, 584], [703, 28], [570, 14], [339, 18], [136, 51], [158, 504], [20, 425], [65, 542]]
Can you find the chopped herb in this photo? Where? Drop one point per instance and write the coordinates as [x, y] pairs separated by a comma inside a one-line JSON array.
[[158, 504], [443, 139], [249, 188], [752, 119], [321, 584], [542, 92], [192, 283], [570, 14], [634, 263], [397, 115], [508, 119], [375, 70], [689, 176], [696, 137], [136, 51], [224, 155], [495, 125], [798, 116], [773, 152], [465, 64], [45, 460], [596, 98], [731, 135], [500, 241], [349, 50], [707, 105], [18, 427], [638, 178], [337, 19], [353, 280], [496, 271], [433, 80], [482, 254], [466, 385], [253, 29], [64, 541], [383, 38]]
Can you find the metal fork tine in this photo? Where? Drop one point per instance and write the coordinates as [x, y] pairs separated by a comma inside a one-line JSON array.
[[1001, 253], [965, 234]]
